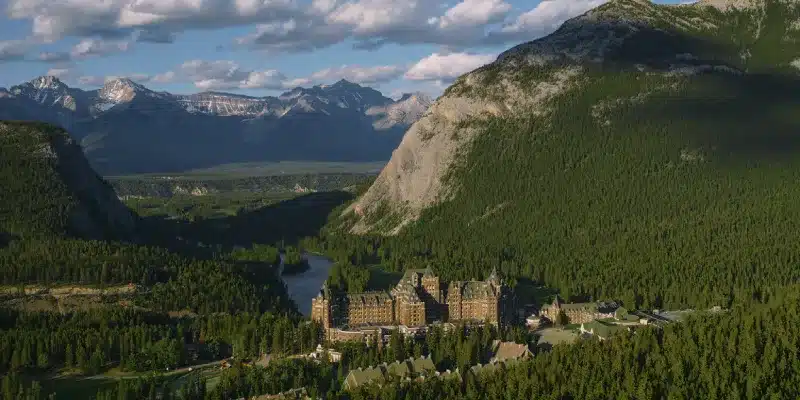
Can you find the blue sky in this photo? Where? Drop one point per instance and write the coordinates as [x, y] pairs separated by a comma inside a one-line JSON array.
[[264, 47]]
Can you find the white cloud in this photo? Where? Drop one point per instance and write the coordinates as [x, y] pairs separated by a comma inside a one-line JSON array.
[[166, 77], [226, 74], [361, 75], [13, 49], [55, 19], [546, 17], [300, 25], [435, 72], [214, 74], [270, 79], [475, 12], [60, 73], [98, 47], [90, 80], [53, 57], [447, 67]]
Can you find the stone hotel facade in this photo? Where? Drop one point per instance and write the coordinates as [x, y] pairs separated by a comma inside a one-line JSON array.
[[418, 299]]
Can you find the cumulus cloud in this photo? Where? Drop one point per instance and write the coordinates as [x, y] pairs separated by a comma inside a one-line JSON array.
[[475, 12], [374, 23], [53, 57], [11, 50], [91, 80], [226, 74], [214, 74], [60, 73], [119, 18], [154, 36], [546, 17], [362, 75], [435, 71], [447, 67], [300, 25], [98, 47]]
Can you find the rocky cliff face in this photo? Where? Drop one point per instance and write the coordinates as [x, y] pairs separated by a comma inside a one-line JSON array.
[[623, 39], [404, 112]]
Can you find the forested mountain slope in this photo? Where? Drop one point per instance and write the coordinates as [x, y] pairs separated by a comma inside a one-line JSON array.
[[642, 152], [48, 187], [60, 224]]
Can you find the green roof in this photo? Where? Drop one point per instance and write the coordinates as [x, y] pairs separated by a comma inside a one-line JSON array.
[[359, 377], [423, 365], [602, 330], [399, 369]]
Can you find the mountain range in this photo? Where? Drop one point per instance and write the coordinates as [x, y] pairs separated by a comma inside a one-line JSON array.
[[124, 127]]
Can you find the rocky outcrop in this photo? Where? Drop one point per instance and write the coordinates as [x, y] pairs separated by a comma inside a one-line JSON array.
[[414, 178], [407, 110]]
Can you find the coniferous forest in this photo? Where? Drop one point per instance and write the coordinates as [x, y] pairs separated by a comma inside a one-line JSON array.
[[656, 190]]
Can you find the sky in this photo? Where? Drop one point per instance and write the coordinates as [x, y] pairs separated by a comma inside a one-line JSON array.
[[265, 47]]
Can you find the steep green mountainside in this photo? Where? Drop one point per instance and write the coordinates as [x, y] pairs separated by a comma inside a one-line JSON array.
[[641, 152], [48, 187]]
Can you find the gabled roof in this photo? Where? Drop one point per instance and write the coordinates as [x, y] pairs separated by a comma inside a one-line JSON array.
[[510, 351], [360, 376], [423, 365], [406, 292], [398, 369], [481, 368]]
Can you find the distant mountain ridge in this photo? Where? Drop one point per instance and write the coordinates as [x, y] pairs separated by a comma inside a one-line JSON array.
[[125, 127]]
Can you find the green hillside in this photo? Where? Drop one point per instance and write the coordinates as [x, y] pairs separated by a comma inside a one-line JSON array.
[[36, 164], [655, 188], [60, 224]]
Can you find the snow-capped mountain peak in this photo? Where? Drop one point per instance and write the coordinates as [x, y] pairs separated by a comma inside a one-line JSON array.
[[47, 91], [342, 97], [47, 82], [121, 90]]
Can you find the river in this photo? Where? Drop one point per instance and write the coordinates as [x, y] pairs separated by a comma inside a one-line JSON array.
[[304, 287]]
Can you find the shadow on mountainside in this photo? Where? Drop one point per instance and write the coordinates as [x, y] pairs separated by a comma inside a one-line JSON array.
[[747, 118], [746, 113], [5, 239], [287, 221]]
